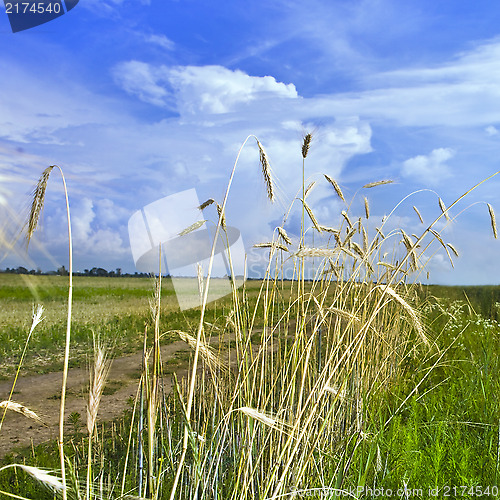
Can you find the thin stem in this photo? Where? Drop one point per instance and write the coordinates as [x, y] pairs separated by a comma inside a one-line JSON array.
[[68, 339]]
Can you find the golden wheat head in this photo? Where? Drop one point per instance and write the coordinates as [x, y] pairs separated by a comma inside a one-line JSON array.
[[266, 171], [367, 207], [493, 220], [335, 185], [377, 183], [37, 202]]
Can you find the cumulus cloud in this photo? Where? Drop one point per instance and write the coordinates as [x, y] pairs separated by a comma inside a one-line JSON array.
[[429, 169], [142, 80], [198, 89], [215, 89]]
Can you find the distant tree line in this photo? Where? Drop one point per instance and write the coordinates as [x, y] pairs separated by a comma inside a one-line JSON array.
[[62, 271]]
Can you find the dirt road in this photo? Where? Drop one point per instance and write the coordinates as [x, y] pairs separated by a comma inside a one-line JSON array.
[[41, 394]]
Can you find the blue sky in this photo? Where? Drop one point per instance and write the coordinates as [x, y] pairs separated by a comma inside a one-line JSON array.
[[141, 99]]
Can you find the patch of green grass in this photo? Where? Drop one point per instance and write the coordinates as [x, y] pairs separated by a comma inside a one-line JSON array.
[[447, 433]]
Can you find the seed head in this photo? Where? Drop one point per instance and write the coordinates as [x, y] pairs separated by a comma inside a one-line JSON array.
[[306, 144]]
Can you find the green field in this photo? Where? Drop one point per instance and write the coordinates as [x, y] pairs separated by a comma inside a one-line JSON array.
[[437, 424]]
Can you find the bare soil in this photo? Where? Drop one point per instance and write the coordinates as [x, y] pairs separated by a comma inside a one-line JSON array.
[[41, 394]]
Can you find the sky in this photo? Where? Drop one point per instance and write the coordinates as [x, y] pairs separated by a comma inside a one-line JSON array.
[[138, 100]]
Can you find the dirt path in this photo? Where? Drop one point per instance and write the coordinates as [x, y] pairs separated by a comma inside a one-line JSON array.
[[41, 394]]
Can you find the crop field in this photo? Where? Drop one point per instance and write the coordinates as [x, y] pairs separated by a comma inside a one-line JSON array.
[[438, 424]]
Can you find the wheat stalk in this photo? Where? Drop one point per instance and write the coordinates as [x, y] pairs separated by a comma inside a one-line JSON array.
[[38, 202], [367, 207], [270, 244], [329, 229], [365, 240], [411, 312], [309, 189], [453, 249], [222, 217], [36, 320], [356, 247], [36, 208], [98, 376], [205, 351], [316, 252], [346, 217], [438, 237], [262, 417]]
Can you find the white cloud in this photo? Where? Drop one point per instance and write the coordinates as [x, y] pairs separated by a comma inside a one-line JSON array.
[[462, 92], [491, 130], [161, 40], [430, 169], [215, 89], [143, 80], [81, 219], [198, 89]]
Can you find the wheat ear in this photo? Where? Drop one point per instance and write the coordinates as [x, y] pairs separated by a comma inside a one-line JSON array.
[[493, 220], [377, 183], [23, 410], [284, 235], [335, 185], [443, 208], [418, 213], [40, 475], [266, 171], [205, 204], [367, 208], [37, 202], [306, 144]]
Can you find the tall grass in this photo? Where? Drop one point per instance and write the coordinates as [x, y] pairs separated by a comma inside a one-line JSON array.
[[286, 401]]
